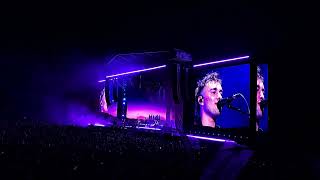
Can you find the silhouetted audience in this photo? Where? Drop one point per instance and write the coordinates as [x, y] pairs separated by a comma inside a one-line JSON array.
[[39, 151]]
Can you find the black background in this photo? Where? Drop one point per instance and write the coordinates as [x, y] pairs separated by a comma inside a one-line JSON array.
[[45, 46]]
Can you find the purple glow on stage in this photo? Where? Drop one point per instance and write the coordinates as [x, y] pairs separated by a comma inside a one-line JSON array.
[[81, 115], [101, 81], [210, 139], [222, 61], [142, 110], [131, 72], [157, 129], [112, 110]]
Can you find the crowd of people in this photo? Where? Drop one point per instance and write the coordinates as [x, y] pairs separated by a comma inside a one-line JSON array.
[[70, 152]]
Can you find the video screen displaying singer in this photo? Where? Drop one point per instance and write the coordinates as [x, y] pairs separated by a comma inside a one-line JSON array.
[[262, 98], [109, 92], [222, 96]]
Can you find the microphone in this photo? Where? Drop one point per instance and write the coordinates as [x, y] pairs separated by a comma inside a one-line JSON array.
[[263, 104], [227, 101]]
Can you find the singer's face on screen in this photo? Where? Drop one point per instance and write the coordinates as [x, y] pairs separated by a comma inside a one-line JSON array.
[[260, 97], [211, 95]]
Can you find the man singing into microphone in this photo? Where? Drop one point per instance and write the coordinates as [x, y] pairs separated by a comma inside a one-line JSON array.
[[207, 95], [260, 97]]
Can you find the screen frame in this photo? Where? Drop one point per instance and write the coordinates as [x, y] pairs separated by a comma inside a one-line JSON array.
[[243, 138]]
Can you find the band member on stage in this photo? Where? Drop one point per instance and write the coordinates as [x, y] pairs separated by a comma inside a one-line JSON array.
[[207, 94], [260, 97]]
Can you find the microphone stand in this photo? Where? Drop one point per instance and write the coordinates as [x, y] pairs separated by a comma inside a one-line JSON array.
[[237, 109]]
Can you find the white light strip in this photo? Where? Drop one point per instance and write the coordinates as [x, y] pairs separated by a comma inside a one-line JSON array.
[[148, 128], [209, 138], [98, 124], [158, 67], [221, 61], [101, 81], [142, 70]]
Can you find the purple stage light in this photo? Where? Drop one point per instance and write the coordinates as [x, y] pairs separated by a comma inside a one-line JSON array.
[[98, 124], [158, 67], [210, 139], [157, 129], [141, 70], [101, 81], [222, 61]]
